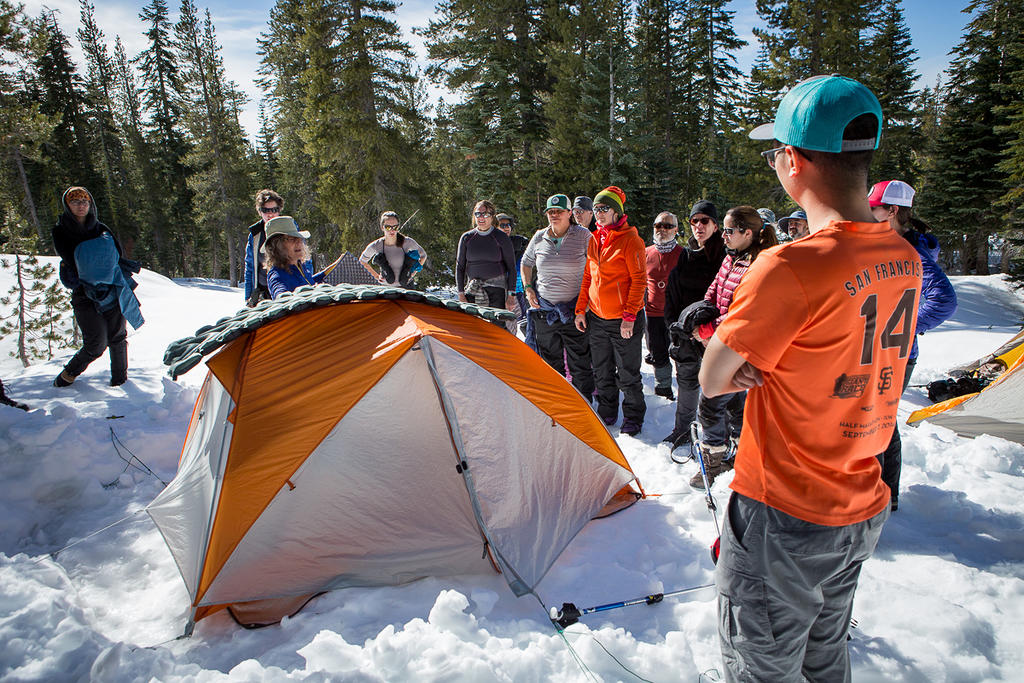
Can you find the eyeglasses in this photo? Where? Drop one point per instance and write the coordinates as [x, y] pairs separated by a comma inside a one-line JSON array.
[[270, 209], [665, 226], [79, 201], [706, 220], [770, 154], [602, 209]]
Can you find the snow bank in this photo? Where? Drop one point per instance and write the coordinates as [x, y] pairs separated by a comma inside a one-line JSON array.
[[940, 601]]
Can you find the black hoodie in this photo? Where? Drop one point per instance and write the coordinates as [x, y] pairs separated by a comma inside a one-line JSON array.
[[68, 233], [689, 280]]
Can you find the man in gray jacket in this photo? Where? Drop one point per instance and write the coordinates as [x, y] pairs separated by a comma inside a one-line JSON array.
[[559, 253]]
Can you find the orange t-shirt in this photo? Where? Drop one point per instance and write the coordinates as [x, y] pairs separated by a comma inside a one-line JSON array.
[[830, 321]]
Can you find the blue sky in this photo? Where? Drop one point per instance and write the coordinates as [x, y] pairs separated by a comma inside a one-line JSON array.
[[935, 27]]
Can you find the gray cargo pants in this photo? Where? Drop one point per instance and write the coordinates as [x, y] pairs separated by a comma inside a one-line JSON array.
[[785, 592]]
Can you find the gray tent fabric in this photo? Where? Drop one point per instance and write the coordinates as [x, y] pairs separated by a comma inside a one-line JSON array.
[[289, 488], [349, 272]]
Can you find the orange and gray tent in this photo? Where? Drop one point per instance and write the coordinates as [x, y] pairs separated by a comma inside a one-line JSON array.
[[998, 409], [368, 436]]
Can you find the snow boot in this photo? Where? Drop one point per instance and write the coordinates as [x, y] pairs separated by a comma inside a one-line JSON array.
[[665, 392], [118, 364], [63, 380], [712, 457], [663, 382], [630, 427]]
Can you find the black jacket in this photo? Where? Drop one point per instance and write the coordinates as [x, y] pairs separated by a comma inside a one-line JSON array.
[[68, 234], [689, 280]]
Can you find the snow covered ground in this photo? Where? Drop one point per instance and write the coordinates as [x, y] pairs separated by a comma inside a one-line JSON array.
[[941, 600]]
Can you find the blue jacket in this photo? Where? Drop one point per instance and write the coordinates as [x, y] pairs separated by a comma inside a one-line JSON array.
[[103, 278], [281, 280], [938, 298], [254, 272]]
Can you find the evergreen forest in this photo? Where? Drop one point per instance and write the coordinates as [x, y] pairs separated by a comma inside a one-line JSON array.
[[546, 97]]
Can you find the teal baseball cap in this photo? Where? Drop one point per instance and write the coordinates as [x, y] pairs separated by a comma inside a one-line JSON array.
[[814, 114], [558, 201]]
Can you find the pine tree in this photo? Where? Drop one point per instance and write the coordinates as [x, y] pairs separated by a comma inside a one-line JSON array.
[[577, 108], [664, 77], [67, 156], [267, 149], [966, 182], [1012, 164], [352, 113], [492, 54], [716, 85], [173, 232], [892, 78], [449, 168], [281, 67], [22, 127], [39, 312], [804, 38], [219, 178], [102, 86]]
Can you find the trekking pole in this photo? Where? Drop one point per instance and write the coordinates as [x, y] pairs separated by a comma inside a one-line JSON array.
[[409, 219], [570, 613], [707, 484]]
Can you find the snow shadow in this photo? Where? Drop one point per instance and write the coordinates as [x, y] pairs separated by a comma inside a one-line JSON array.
[[933, 521], [204, 283], [978, 306]]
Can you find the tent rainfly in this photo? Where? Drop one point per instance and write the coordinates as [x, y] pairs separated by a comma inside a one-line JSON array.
[[998, 409], [369, 436]]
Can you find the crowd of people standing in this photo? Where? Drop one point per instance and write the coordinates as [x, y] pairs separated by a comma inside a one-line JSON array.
[[779, 353]]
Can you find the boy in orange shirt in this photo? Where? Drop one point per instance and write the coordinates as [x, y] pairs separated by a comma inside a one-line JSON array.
[[819, 331]]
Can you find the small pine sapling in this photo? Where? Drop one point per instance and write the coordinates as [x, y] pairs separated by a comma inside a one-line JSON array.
[[36, 308]]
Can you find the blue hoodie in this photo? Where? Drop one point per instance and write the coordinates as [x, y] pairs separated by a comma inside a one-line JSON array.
[[938, 298]]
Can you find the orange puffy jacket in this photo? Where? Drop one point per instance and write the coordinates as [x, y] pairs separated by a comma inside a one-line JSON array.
[[615, 277]]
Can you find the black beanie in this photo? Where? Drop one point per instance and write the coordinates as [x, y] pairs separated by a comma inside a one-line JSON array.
[[705, 207]]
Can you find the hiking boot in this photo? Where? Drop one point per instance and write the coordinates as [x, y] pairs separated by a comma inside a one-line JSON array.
[[630, 427], [649, 359], [672, 438], [712, 457], [666, 392], [680, 450], [682, 453], [609, 421], [118, 381], [63, 379]]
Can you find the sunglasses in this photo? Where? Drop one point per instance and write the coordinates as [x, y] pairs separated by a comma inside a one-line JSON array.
[[580, 210], [602, 209], [769, 155], [729, 231], [270, 209], [701, 221], [390, 227], [665, 226], [79, 201], [504, 225], [482, 214]]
